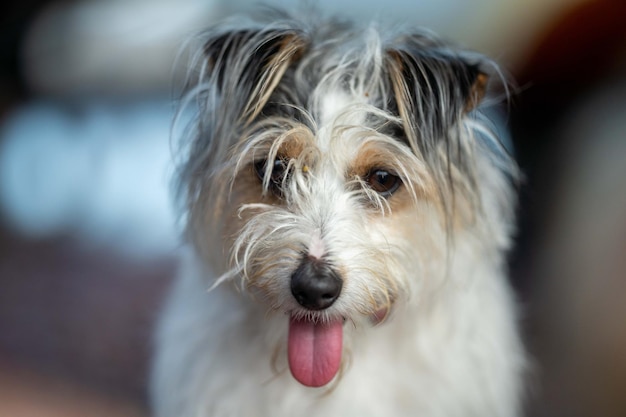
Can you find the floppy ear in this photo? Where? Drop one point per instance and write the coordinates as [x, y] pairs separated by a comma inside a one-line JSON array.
[[249, 64], [432, 87]]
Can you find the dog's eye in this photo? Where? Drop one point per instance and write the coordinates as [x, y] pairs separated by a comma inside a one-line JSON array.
[[277, 174], [383, 182]]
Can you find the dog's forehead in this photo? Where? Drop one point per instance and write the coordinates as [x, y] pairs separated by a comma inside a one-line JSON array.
[[332, 104], [337, 110]]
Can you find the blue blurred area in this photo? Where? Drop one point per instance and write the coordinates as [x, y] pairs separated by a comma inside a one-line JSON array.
[[92, 169]]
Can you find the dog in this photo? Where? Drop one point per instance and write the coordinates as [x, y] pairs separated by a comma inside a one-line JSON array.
[[348, 209]]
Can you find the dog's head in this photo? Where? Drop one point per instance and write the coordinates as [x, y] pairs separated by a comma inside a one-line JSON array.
[[331, 170]]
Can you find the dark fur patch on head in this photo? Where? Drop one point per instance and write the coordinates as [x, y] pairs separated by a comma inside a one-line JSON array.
[[250, 63], [433, 88]]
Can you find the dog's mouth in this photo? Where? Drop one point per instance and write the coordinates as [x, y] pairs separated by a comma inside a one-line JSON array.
[[314, 350]]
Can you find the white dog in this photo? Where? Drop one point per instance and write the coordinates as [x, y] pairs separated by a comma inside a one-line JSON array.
[[349, 209]]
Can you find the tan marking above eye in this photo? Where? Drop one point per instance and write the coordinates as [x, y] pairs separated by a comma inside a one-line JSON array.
[[292, 148], [369, 159]]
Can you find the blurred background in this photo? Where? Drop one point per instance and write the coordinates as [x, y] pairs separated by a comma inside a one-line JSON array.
[[88, 236]]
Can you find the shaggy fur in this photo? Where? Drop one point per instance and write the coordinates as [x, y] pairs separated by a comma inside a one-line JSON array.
[[358, 156]]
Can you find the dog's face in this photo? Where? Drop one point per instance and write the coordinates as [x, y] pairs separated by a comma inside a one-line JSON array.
[[329, 172]]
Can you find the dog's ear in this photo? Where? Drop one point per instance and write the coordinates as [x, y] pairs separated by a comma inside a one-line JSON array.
[[433, 87], [248, 64]]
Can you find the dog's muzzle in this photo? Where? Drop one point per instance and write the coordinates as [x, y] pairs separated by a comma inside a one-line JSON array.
[[315, 284]]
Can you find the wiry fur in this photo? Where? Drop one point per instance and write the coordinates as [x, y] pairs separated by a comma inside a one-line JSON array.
[[430, 320]]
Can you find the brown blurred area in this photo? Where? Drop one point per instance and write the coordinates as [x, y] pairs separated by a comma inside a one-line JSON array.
[[75, 328], [79, 344], [569, 126]]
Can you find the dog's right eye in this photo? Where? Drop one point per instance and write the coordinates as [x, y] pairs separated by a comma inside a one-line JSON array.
[[277, 174]]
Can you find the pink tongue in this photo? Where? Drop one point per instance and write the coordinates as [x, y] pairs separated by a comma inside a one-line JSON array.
[[314, 351]]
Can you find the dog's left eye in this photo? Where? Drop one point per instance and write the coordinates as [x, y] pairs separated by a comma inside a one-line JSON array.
[[383, 182], [277, 174]]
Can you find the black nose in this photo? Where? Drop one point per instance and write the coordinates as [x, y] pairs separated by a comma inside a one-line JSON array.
[[315, 284]]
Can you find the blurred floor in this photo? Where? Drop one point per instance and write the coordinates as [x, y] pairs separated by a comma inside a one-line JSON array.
[[27, 393]]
